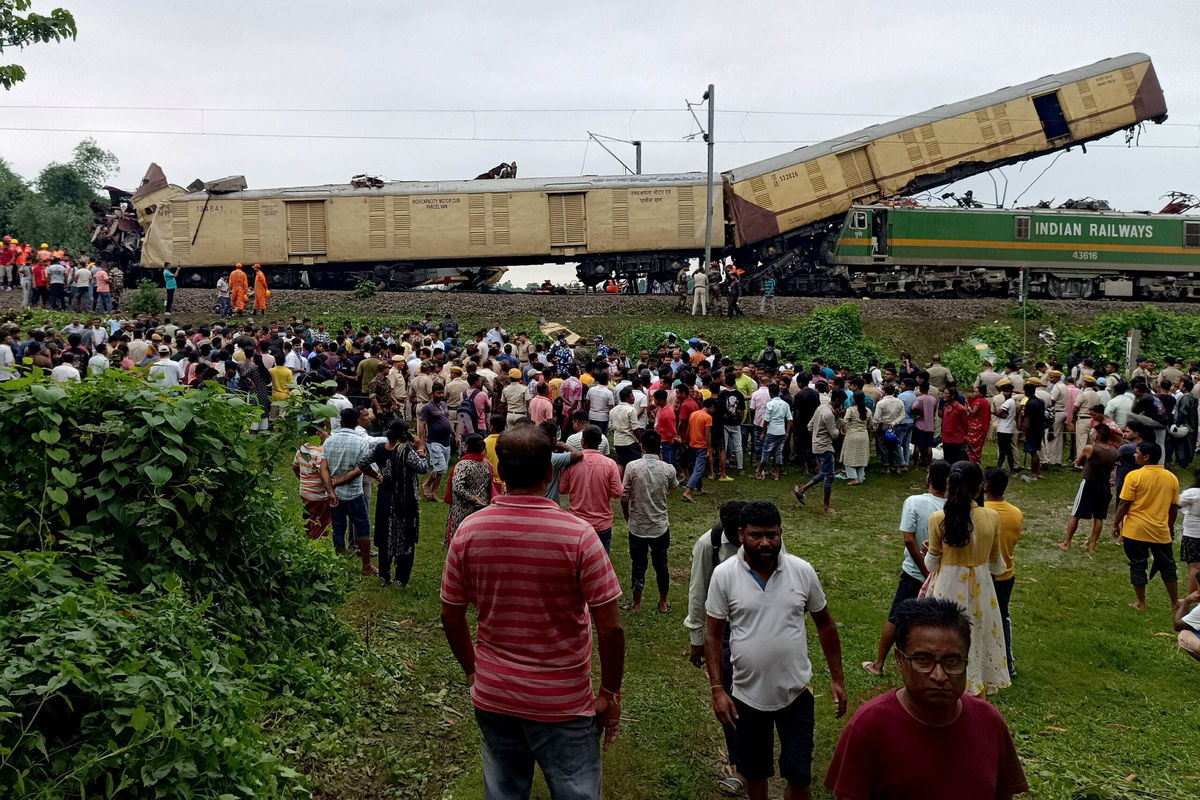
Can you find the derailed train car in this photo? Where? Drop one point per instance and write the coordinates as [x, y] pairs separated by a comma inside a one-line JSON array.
[[407, 233], [782, 208]]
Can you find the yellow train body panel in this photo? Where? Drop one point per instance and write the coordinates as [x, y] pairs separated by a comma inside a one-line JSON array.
[[820, 182], [505, 221]]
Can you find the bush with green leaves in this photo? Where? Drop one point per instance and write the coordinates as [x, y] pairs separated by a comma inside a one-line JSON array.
[[965, 360], [1027, 311], [148, 298], [365, 290], [111, 694], [156, 598], [1163, 334], [834, 333]]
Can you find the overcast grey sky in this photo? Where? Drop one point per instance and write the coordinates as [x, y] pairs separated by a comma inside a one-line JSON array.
[[843, 65]]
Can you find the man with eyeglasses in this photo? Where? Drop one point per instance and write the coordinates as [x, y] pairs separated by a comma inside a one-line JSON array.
[[885, 749]]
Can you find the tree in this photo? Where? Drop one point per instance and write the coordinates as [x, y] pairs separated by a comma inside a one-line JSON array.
[[57, 209], [78, 181], [20, 28], [61, 224], [13, 189]]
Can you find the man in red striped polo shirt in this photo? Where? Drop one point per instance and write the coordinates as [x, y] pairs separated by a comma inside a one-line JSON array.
[[538, 577]]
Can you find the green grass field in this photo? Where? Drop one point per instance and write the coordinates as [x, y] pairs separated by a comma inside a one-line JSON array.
[[1105, 704]]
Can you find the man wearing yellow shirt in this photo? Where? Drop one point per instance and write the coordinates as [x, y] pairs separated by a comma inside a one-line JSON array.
[[282, 379], [1012, 521], [1145, 521], [497, 424]]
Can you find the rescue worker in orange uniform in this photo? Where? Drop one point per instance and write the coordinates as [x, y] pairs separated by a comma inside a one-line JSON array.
[[260, 288], [239, 288]]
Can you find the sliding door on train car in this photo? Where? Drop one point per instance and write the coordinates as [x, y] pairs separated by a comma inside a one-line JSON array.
[[308, 236], [568, 222]]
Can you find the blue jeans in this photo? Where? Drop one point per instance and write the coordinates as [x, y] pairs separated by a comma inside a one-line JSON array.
[[568, 753], [668, 453], [751, 439], [903, 439], [104, 302], [700, 467], [733, 443], [772, 449], [224, 307], [356, 512], [825, 476]]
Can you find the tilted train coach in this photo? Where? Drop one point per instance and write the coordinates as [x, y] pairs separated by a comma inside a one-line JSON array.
[[781, 208], [779, 213]]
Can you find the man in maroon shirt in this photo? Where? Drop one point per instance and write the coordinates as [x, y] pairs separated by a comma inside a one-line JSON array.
[[954, 426], [927, 740]]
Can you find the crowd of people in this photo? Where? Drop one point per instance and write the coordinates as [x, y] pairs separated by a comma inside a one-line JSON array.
[[53, 278], [50, 277], [536, 439]]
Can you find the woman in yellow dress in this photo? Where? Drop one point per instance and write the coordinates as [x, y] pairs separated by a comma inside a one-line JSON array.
[[964, 553]]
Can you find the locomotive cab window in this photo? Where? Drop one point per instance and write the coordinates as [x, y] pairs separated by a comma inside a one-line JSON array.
[[859, 220], [1191, 234], [1022, 231]]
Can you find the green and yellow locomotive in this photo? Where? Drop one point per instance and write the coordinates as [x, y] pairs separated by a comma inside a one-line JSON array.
[[1061, 253]]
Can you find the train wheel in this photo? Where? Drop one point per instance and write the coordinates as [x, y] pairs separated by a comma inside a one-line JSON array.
[[967, 289]]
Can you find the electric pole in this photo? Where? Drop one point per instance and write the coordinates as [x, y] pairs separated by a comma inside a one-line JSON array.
[[710, 96]]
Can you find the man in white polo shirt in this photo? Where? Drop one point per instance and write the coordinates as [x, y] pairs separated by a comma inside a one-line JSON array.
[[763, 595]]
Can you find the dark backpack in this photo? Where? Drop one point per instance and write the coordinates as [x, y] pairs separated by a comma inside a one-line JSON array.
[[769, 358], [468, 407]]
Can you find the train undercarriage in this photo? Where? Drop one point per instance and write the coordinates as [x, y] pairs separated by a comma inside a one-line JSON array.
[[972, 282]]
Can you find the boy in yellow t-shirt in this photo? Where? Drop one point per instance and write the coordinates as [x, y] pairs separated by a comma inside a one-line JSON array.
[[1012, 521], [1145, 521]]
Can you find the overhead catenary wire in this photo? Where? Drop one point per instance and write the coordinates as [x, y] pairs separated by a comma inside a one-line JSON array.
[[631, 111], [517, 139], [1038, 178]]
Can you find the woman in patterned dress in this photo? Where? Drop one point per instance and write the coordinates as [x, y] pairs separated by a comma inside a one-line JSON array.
[[256, 383], [964, 553], [470, 486]]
